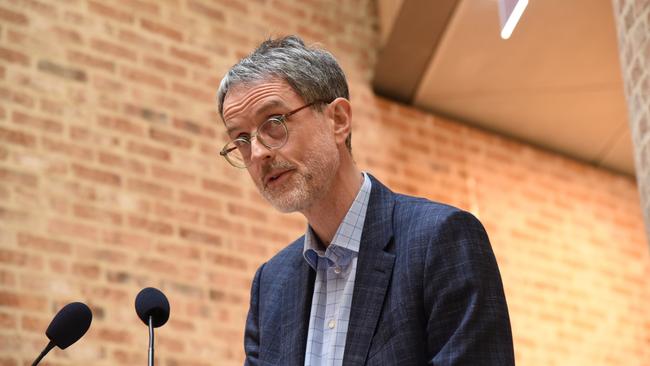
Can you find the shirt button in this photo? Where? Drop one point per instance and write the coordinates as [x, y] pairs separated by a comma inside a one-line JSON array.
[[331, 324], [337, 270]]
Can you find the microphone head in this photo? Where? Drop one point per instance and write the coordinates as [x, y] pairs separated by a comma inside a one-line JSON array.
[[69, 324], [152, 302]]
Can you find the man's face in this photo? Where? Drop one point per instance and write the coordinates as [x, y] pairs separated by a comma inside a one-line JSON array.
[[295, 176]]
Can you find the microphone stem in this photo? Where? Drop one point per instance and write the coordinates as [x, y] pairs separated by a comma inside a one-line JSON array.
[[47, 349], [150, 341]]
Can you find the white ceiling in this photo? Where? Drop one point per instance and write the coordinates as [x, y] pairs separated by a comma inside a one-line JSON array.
[[556, 83]]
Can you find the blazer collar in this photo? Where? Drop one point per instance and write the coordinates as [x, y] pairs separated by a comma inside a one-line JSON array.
[[297, 293], [374, 270]]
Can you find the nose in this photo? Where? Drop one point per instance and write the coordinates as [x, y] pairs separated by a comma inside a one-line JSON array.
[[259, 152]]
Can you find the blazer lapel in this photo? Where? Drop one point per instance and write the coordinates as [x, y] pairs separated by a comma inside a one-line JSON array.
[[374, 270], [296, 306]]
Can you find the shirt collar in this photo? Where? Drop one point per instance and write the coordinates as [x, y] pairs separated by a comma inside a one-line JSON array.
[[347, 238]]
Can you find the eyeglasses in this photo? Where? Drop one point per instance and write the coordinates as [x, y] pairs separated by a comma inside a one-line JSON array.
[[272, 133]]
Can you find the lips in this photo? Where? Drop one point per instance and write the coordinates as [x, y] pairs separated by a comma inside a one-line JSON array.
[[275, 176]]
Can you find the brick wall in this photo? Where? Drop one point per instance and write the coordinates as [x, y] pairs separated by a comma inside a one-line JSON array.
[[110, 182]]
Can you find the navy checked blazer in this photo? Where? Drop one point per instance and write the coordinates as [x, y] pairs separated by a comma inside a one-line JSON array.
[[427, 292]]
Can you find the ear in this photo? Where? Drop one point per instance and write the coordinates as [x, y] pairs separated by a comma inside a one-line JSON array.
[[340, 113]]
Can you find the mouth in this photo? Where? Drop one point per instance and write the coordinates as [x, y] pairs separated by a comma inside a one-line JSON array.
[[276, 177]]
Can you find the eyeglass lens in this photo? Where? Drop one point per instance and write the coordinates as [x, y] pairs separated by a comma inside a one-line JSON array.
[[272, 134]]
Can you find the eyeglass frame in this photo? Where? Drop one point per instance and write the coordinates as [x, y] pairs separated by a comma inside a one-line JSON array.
[[281, 118]]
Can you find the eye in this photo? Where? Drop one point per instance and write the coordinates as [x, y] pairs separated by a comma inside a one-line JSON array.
[[243, 137], [240, 142]]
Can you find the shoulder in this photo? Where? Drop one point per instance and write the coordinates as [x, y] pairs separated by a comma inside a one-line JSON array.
[[419, 213], [284, 261], [439, 233]]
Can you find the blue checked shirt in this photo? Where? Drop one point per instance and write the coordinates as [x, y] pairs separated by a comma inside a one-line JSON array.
[[336, 270]]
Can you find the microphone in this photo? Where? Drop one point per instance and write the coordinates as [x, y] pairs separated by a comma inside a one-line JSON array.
[[67, 327], [152, 308]]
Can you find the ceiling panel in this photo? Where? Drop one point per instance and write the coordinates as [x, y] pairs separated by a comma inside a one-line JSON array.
[[556, 83]]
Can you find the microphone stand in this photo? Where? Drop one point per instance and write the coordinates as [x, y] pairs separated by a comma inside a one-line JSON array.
[[150, 363], [47, 349]]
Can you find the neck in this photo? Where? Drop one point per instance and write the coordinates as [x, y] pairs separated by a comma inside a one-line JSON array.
[[326, 215]]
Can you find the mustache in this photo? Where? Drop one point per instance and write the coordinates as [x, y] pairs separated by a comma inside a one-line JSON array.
[[276, 165]]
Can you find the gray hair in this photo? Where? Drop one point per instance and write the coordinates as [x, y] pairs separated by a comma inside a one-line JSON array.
[[312, 73]]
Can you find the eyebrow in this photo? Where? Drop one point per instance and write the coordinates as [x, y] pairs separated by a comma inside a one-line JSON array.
[[263, 109]]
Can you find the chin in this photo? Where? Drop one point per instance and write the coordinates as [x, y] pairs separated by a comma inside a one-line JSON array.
[[288, 201]]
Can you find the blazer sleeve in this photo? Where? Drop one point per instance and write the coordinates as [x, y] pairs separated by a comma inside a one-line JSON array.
[[252, 331], [465, 306]]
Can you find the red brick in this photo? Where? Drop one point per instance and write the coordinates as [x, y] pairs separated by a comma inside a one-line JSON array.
[[8, 321], [128, 241], [161, 29], [146, 7], [38, 7], [193, 128], [113, 49], [113, 336], [14, 57], [192, 92], [235, 5], [169, 138], [148, 151], [65, 34], [22, 301], [200, 201], [272, 235], [91, 61], [120, 125], [96, 175], [143, 77], [52, 107], [97, 214], [110, 12], [62, 71], [43, 124], [17, 177], [158, 266], [71, 150], [34, 242], [149, 188], [73, 229], [190, 56], [115, 161], [202, 9], [246, 212], [180, 214], [159, 64], [221, 187], [13, 17], [172, 175], [18, 97], [20, 259], [201, 237], [34, 324], [180, 251], [86, 271], [140, 41], [156, 227], [225, 260]]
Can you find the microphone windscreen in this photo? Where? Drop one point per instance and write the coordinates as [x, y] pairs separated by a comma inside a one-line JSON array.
[[69, 324], [152, 302]]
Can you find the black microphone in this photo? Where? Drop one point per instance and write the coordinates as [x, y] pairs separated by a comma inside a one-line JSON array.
[[67, 327], [152, 308]]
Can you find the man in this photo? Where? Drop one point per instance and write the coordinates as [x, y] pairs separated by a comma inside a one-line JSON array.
[[378, 278]]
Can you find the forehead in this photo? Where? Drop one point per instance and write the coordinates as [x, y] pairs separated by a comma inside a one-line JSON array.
[[245, 99]]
